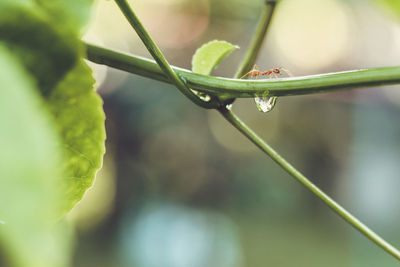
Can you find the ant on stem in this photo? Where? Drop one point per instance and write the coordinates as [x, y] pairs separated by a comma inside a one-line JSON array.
[[255, 72], [265, 103]]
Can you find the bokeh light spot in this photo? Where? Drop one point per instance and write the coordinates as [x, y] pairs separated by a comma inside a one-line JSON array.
[[312, 33]]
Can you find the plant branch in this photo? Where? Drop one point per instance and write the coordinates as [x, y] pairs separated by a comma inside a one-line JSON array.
[[255, 139], [234, 88], [257, 40], [348, 217], [221, 87], [159, 57]]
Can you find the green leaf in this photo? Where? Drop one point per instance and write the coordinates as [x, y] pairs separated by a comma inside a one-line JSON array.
[[47, 43], [79, 117], [29, 168], [71, 13], [208, 56], [52, 143], [45, 48], [47, 39]]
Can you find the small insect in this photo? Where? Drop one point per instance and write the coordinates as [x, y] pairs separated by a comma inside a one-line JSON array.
[[255, 72]]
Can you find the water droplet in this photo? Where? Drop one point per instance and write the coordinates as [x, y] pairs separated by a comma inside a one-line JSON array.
[[182, 78], [229, 107], [202, 96], [266, 103]]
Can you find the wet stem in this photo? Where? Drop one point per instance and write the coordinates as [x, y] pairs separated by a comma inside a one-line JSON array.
[[247, 63]]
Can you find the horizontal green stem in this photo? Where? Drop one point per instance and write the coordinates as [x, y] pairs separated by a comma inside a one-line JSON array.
[[347, 216], [234, 88]]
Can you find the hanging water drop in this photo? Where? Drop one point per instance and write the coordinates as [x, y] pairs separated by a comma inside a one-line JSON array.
[[202, 96], [182, 79], [266, 103]]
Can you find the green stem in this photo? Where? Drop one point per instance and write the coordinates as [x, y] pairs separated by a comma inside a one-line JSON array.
[[159, 57], [234, 88], [343, 80], [348, 217], [257, 40], [249, 60]]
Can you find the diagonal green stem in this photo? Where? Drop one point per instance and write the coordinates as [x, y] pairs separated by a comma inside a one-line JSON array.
[[348, 217], [255, 139], [234, 88], [124, 62], [159, 57], [257, 40]]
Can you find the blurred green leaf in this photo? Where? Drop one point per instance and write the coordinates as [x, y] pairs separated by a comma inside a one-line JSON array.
[[47, 161], [71, 13], [47, 49], [45, 34], [208, 56], [79, 116], [393, 6], [47, 42], [29, 172]]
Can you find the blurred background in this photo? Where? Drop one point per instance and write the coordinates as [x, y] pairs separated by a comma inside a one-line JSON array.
[[181, 187]]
